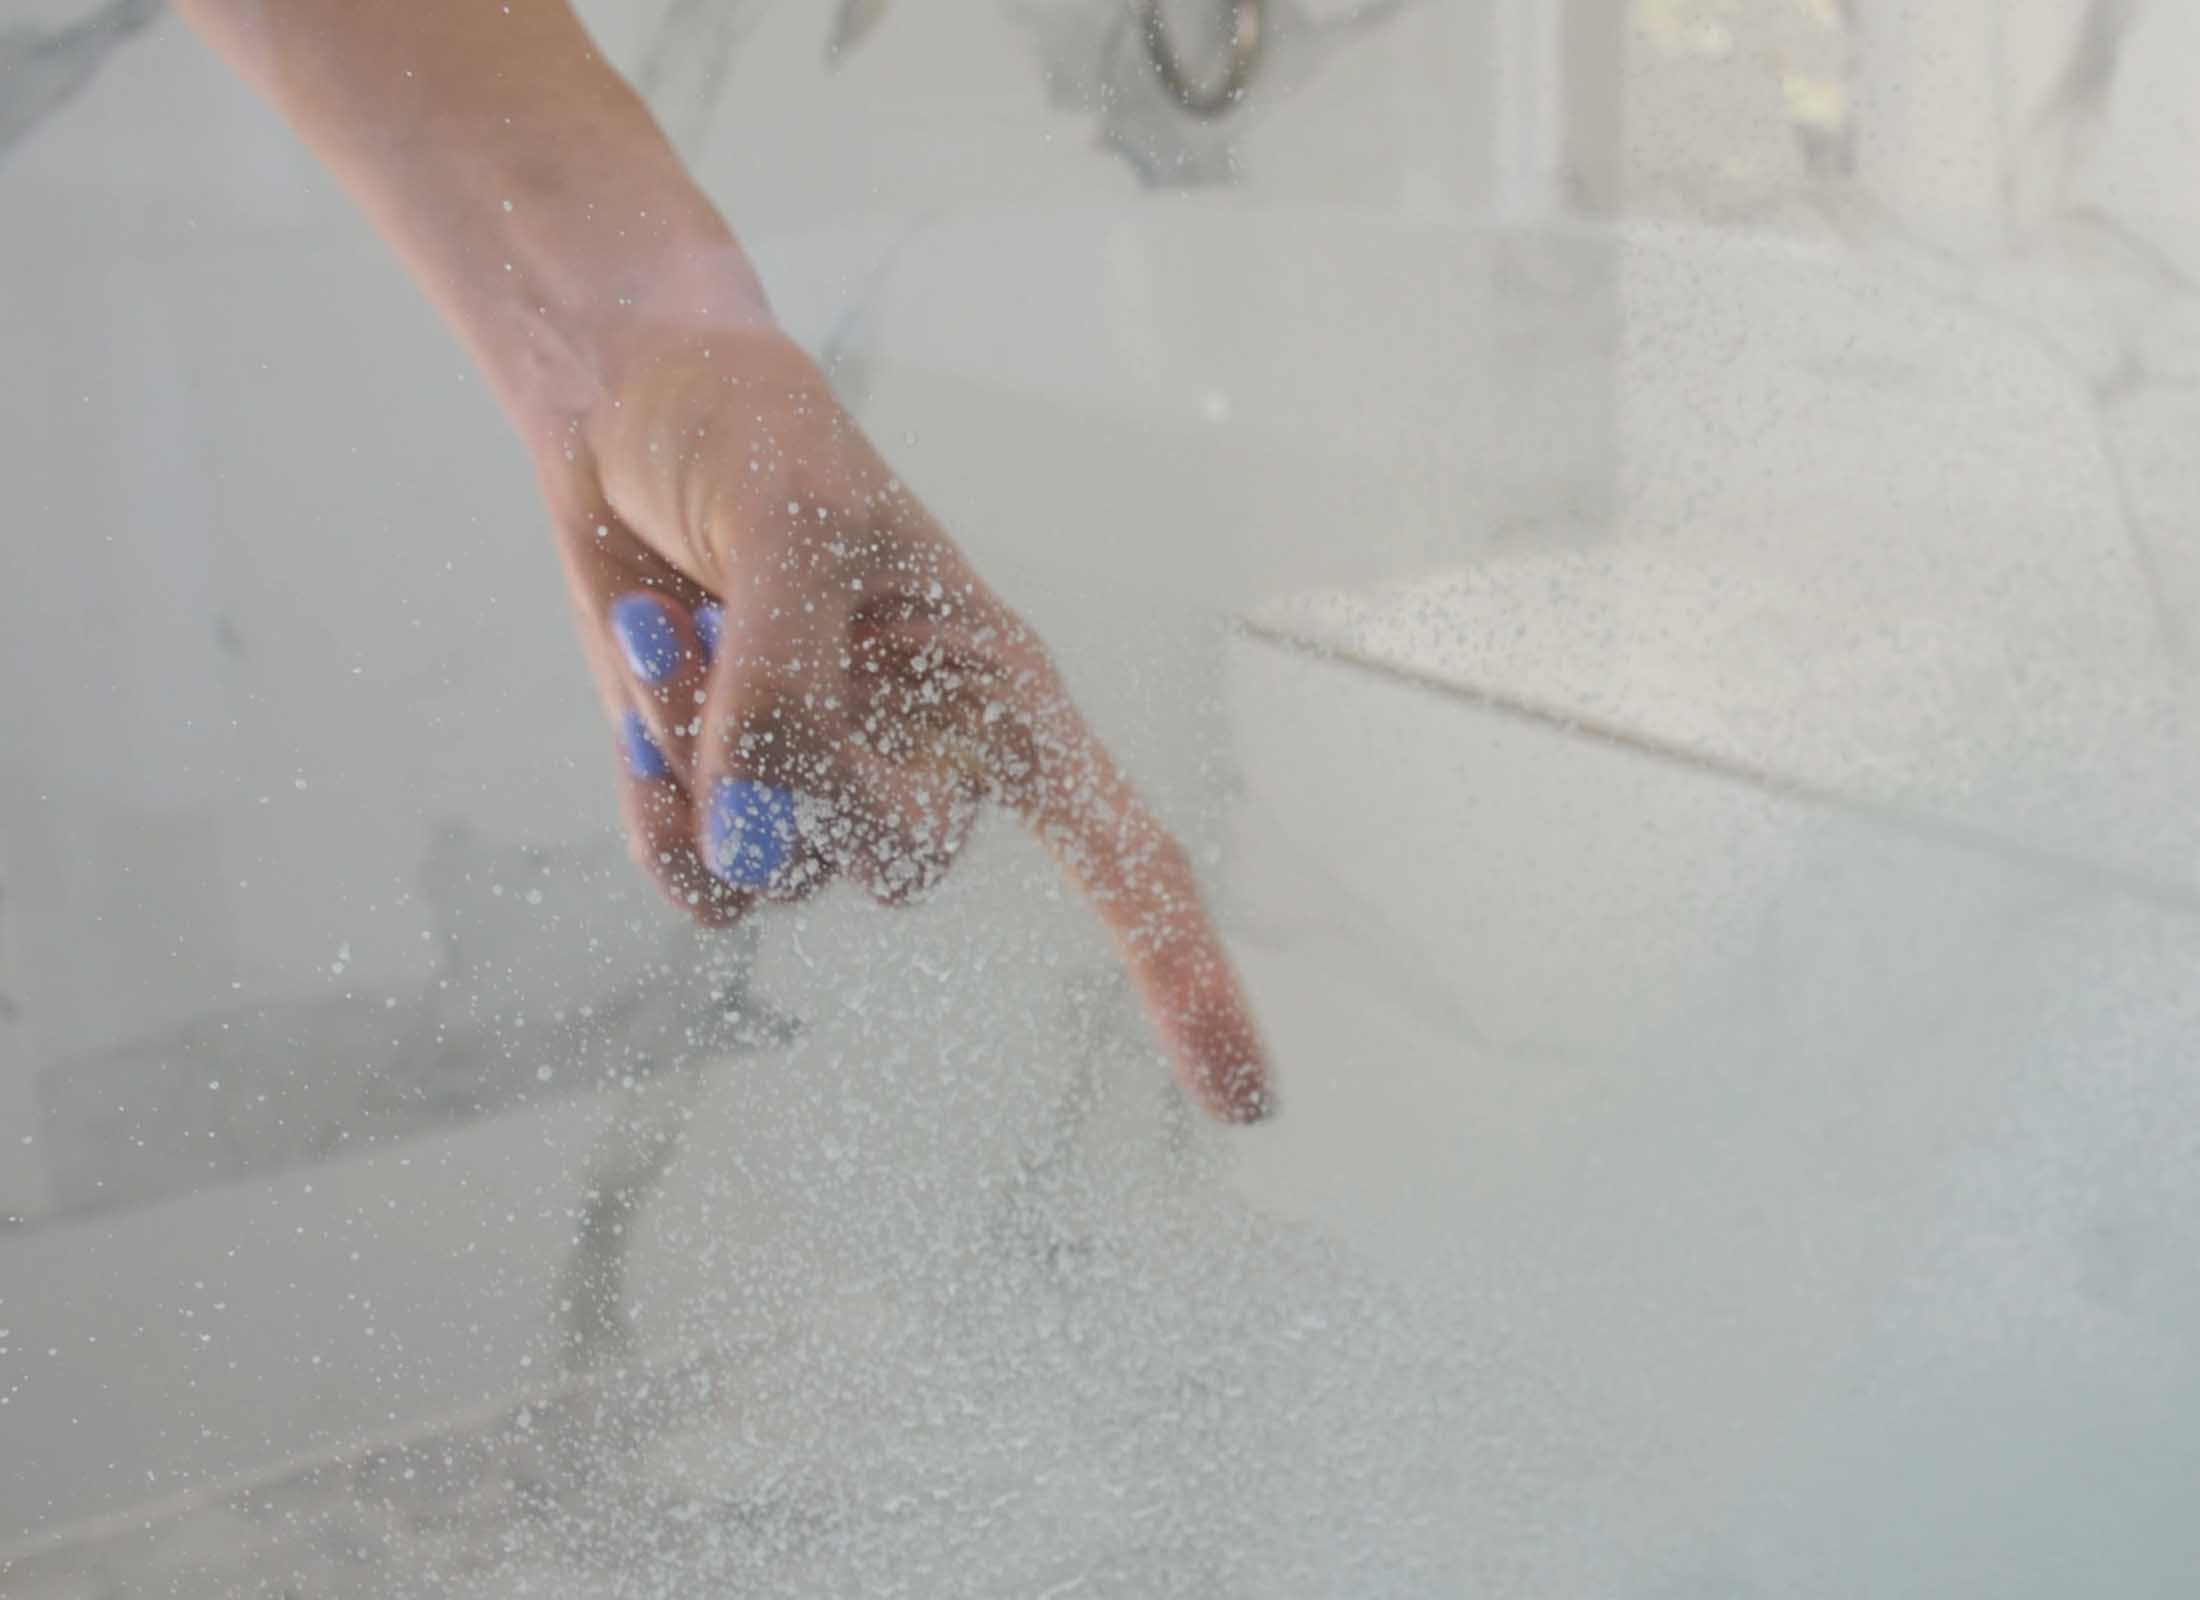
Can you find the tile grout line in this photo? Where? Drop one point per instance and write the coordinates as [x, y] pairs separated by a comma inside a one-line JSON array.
[[101, 1526], [2095, 874]]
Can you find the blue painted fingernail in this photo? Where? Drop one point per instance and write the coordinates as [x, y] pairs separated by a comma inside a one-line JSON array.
[[643, 758], [750, 832], [646, 634], [710, 627]]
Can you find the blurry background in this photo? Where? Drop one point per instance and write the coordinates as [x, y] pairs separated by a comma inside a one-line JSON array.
[[1646, 544]]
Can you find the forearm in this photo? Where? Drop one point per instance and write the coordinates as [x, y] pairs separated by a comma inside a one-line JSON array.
[[521, 179]]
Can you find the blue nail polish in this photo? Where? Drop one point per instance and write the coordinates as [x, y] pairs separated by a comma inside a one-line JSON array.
[[646, 634], [750, 832], [643, 758], [710, 627]]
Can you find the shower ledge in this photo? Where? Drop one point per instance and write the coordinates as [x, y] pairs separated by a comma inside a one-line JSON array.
[[1878, 538]]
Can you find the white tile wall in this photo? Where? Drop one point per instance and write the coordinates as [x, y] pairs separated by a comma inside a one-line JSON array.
[[1886, 514], [236, 409]]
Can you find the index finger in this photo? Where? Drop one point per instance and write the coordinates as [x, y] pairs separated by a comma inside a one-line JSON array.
[[1139, 880]]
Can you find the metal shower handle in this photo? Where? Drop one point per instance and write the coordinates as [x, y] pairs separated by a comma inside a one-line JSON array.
[[1211, 98]]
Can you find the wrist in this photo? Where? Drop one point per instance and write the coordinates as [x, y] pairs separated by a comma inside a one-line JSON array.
[[523, 182], [592, 245], [578, 296]]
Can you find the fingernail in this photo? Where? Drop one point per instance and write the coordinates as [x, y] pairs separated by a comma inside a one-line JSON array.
[[750, 832], [710, 624], [643, 758], [647, 636]]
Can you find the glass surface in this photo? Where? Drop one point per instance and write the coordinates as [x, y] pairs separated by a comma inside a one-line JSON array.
[[1645, 549]]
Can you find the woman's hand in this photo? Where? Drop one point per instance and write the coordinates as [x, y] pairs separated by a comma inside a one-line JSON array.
[[866, 693], [806, 680]]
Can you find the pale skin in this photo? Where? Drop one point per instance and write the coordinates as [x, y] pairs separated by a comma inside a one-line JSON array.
[[687, 450]]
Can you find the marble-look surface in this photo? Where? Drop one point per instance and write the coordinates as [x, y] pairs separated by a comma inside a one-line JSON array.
[[226, 762], [45, 61], [257, 959], [1617, 1241], [1698, 799], [1902, 411], [516, 1008], [1888, 528]]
